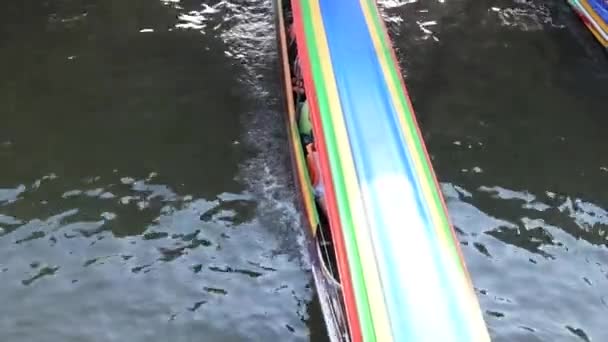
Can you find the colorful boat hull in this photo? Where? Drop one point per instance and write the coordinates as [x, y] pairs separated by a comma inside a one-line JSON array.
[[402, 275], [594, 14], [329, 291]]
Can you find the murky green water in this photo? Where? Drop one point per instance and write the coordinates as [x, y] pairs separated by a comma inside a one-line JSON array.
[[511, 96], [145, 189], [134, 205]]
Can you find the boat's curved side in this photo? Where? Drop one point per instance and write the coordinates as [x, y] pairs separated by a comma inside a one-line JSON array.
[[402, 276], [402, 267], [328, 289], [594, 14]]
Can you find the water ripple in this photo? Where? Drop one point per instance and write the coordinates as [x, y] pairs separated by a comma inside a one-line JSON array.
[[550, 258], [141, 205], [82, 255]]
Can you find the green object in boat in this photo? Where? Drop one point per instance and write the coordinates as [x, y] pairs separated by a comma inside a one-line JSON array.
[[304, 124]]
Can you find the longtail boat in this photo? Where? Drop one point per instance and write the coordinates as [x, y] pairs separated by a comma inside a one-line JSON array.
[[594, 14], [386, 262]]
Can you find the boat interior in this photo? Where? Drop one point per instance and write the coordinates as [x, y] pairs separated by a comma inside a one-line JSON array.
[[323, 236]]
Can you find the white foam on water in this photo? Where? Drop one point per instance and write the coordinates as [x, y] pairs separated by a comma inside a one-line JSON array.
[[526, 15]]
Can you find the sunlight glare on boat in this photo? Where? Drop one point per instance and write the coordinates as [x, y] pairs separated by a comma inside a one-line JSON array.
[[398, 217]]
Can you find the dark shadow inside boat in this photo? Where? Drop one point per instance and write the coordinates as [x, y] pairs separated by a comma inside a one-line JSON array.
[[323, 236]]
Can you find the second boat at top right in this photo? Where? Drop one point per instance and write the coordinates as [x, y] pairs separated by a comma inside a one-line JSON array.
[[594, 14]]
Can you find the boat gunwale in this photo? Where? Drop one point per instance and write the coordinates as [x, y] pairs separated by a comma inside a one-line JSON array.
[[319, 267], [589, 18]]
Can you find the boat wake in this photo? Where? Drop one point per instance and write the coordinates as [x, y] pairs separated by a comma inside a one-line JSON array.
[[526, 16], [248, 33], [250, 41]]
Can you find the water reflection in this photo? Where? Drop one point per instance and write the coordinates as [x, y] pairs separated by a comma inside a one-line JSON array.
[[550, 256], [509, 103], [169, 269]]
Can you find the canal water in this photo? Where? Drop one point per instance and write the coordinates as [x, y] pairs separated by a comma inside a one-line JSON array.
[[146, 192]]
